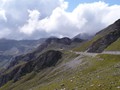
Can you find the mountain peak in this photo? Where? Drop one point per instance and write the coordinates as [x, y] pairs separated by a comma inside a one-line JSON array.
[[83, 36]]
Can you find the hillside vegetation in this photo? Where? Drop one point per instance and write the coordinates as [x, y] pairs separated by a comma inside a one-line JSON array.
[[102, 39], [90, 73], [114, 46]]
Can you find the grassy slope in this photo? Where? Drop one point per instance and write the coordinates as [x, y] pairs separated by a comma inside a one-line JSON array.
[[102, 33], [101, 73], [94, 73], [85, 45], [32, 79], [114, 46]]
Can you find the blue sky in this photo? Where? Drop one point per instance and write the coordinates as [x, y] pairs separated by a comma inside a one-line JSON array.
[[74, 3]]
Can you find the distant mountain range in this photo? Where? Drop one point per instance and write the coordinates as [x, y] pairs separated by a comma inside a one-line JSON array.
[[84, 36], [12, 48], [18, 47]]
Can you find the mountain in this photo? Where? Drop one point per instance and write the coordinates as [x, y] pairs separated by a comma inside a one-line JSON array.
[[110, 35], [47, 59], [58, 43], [41, 57], [102, 39], [83, 36], [65, 40], [12, 48], [115, 46], [9, 49], [51, 43], [63, 69], [68, 64]]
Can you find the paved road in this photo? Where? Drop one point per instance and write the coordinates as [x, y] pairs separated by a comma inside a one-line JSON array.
[[111, 52], [87, 54], [94, 54]]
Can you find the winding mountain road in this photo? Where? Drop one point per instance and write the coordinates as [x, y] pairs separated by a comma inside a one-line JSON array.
[[111, 52], [94, 54]]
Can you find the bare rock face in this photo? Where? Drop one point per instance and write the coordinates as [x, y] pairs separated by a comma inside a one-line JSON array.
[[47, 59], [102, 43], [78, 40], [65, 40]]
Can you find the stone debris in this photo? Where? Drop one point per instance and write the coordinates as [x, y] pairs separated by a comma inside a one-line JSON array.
[[118, 87], [92, 85]]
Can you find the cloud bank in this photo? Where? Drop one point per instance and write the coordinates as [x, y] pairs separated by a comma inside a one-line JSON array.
[[43, 18]]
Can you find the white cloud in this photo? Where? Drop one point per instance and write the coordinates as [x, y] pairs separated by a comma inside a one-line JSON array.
[[31, 25], [41, 18], [85, 18], [2, 15], [112, 15], [4, 33]]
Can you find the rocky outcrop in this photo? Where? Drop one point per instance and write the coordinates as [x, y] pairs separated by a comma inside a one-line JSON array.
[[8, 76], [77, 40], [65, 40], [47, 59], [99, 45]]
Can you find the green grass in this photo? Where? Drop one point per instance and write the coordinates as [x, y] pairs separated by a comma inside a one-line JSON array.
[[114, 46], [101, 73], [86, 44], [32, 79], [94, 73], [16, 66]]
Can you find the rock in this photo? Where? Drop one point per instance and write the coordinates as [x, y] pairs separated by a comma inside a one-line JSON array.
[[71, 80], [102, 43], [110, 35], [47, 59], [92, 85], [65, 40], [99, 85], [62, 85], [118, 87]]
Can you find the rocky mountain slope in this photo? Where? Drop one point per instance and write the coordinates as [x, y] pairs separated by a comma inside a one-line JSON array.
[[103, 42], [49, 44], [35, 60], [12, 48], [47, 59], [70, 71], [102, 39], [114, 46]]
